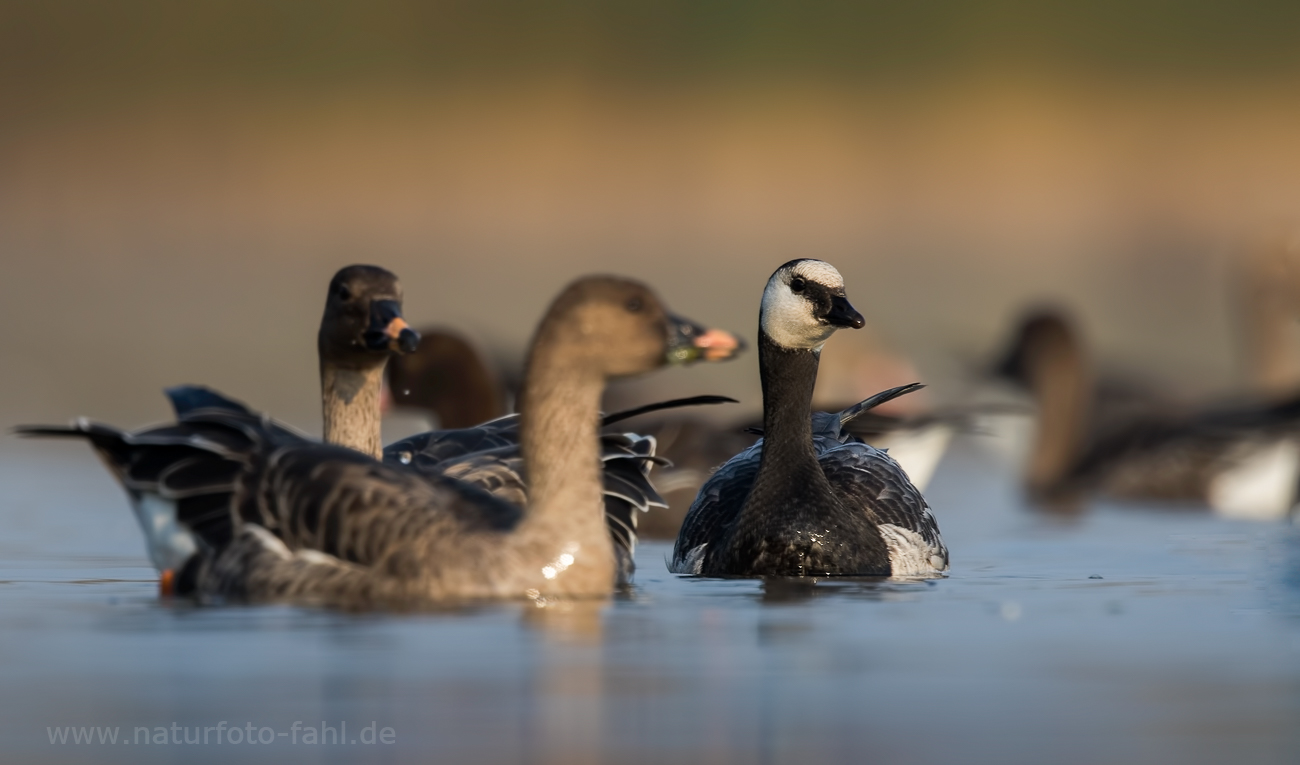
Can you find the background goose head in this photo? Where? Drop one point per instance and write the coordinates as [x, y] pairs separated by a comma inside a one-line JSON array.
[[363, 321], [1047, 356], [804, 303], [618, 327], [446, 376]]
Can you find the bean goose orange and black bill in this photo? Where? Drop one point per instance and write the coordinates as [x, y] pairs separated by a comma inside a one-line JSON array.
[[388, 330], [689, 342]]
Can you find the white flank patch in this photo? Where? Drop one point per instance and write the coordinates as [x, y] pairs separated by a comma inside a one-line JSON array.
[[1262, 486], [692, 563], [910, 554], [168, 544], [786, 316]]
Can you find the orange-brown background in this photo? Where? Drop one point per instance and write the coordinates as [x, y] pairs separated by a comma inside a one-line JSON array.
[[179, 180]]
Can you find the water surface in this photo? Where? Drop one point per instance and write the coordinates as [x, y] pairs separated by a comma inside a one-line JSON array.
[[1124, 634]]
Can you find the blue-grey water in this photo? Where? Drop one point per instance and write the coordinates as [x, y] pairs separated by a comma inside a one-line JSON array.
[[1122, 635]]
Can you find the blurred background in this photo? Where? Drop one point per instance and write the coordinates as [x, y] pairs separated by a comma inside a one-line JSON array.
[[178, 181]]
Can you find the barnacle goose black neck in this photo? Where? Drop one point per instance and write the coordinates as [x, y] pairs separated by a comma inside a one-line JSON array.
[[800, 503]]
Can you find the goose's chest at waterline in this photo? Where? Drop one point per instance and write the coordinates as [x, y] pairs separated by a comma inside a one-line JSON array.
[[809, 542]]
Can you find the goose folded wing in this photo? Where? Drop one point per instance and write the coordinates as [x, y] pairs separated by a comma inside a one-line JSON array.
[[715, 508], [345, 504], [866, 477]]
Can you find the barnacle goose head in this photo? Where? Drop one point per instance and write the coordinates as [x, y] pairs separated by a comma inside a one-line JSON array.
[[804, 303], [363, 318]]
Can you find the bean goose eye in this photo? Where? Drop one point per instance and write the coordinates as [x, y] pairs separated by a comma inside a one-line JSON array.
[[633, 305], [796, 284]]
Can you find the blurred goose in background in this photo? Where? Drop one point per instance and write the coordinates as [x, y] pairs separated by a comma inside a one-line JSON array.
[[245, 508], [807, 499], [447, 377], [1243, 459], [1266, 278]]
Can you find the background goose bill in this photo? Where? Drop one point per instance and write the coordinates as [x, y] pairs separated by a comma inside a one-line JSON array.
[[843, 314], [388, 330], [689, 342]]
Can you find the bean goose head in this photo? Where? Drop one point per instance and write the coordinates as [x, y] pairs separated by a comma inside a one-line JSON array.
[[363, 321], [1045, 345], [804, 303], [619, 327]]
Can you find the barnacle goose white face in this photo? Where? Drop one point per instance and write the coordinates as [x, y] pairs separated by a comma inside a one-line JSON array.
[[804, 303]]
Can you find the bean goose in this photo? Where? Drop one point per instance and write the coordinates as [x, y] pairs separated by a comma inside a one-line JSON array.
[[807, 499], [362, 323], [1243, 459], [245, 508]]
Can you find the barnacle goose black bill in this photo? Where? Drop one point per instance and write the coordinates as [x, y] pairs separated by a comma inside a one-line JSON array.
[[842, 314]]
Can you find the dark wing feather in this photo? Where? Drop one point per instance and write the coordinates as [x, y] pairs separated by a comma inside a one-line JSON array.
[[227, 470], [426, 451], [869, 479], [715, 510], [343, 503]]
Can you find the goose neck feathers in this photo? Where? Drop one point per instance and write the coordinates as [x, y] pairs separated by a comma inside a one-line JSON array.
[[361, 326]]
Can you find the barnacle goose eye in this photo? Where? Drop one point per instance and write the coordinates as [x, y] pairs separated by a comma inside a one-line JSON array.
[[797, 284], [343, 292], [633, 305]]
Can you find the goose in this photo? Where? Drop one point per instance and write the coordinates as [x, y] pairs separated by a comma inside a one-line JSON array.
[[1242, 459], [443, 372], [445, 376], [243, 508], [807, 499], [361, 327], [353, 364]]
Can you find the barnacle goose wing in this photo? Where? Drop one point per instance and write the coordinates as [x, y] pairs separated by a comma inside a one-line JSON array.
[[870, 479], [714, 510]]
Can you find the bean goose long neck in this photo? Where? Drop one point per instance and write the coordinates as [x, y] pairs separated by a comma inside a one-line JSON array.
[[350, 407], [559, 422]]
